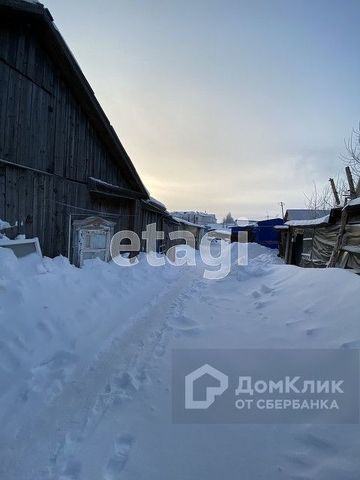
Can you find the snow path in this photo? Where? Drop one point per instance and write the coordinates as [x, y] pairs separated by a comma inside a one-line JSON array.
[[108, 415], [117, 372], [248, 314]]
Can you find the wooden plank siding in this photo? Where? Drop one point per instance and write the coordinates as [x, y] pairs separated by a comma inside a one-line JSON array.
[[50, 146], [40, 109]]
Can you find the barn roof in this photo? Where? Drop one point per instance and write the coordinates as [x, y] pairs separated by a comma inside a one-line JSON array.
[[304, 214], [309, 223], [185, 222], [62, 56], [354, 203]]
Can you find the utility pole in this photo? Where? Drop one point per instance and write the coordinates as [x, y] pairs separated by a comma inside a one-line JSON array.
[[351, 183], [282, 204], [335, 192], [358, 189]]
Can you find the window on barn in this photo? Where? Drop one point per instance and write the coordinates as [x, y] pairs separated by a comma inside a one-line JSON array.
[[93, 244], [91, 239]]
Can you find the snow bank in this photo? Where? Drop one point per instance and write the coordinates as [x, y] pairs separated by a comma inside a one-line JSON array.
[[85, 367], [52, 313], [4, 225], [54, 316]]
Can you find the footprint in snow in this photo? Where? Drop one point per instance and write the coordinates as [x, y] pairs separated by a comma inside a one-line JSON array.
[[313, 453], [312, 331], [185, 325], [160, 350], [124, 386], [63, 465], [159, 337], [45, 330], [117, 462], [120, 388], [292, 322], [314, 442], [260, 304], [8, 358], [51, 375], [266, 290], [308, 310], [351, 344], [72, 471], [300, 459]]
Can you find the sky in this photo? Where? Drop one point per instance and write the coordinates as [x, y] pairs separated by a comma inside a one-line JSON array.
[[223, 105]]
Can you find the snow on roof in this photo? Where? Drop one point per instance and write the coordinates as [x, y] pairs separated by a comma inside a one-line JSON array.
[[304, 214], [354, 202], [4, 224], [307, 223], [185, 222], [102, 182], [98, 181], [193, 212], [221, 231], [281, 227], [157, 202], [217, 226], [244, 222]]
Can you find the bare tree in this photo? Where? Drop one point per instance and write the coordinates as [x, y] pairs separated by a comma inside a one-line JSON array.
[[319, 199], [342, 190], [351, 157], [323, 199]]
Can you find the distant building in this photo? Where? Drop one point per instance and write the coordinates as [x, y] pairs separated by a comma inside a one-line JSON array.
[[200, 218]]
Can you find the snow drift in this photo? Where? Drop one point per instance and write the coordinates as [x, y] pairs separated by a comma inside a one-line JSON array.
[[85, 368]]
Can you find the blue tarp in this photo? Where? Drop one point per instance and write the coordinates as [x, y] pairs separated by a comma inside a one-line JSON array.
[[262, 232]]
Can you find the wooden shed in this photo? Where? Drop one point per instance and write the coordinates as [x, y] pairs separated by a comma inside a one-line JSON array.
[[309, 243], [346, 252], [197, 231], [61, 162], [154, 212]]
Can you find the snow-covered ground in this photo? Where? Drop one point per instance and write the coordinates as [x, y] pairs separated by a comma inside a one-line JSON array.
[[85, 368]]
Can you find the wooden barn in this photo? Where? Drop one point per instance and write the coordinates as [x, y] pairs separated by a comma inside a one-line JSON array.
[[64, 175], [309, 243]]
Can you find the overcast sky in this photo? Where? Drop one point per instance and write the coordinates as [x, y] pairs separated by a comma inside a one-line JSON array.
[[223, 105]]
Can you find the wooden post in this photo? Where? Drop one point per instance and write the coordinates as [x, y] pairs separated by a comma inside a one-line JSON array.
[[287, 245], [337, 248], [351, 183], [358, 189], [335, 192]]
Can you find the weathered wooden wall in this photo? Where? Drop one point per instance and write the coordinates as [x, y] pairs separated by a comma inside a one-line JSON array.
[[44, 202], [41, 123], [45, 129]]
